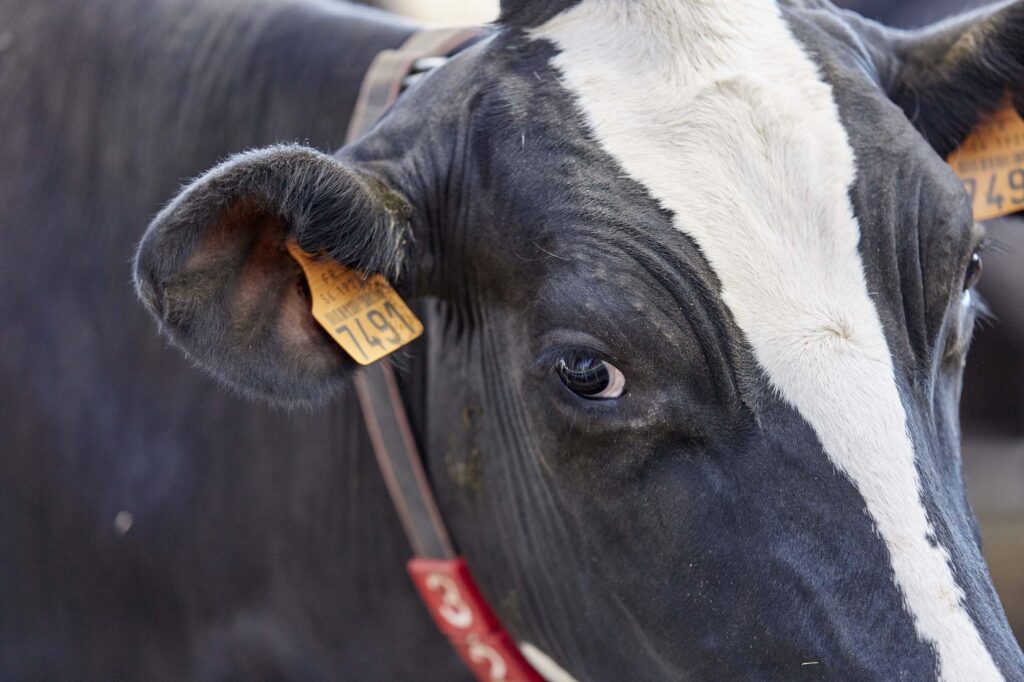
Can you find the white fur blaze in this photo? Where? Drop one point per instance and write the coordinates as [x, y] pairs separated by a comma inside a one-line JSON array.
[[714, 107]]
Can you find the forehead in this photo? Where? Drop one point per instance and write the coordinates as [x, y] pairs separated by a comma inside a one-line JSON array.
[[719, 114], [747, 98], [765, 121]]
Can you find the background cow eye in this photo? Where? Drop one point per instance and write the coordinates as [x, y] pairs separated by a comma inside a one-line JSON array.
[[589, 377], [973, 273]]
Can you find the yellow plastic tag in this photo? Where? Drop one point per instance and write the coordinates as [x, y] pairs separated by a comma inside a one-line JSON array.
[[366, 316], [991, 164]]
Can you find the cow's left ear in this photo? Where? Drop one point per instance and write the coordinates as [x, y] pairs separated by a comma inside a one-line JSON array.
[[949, 76], [214, 268]]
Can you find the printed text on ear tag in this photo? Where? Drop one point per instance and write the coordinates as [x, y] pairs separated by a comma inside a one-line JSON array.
[[991, 164], [366, 316]]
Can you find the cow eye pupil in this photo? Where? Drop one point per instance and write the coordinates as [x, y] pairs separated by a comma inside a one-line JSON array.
[[973, 273], [584, 376], [591, 378]]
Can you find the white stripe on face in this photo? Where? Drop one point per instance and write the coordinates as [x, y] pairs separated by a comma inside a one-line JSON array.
[[714, 107]]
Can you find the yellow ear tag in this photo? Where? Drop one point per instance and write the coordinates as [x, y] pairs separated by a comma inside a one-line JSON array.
[[991, 164], [366, 316]]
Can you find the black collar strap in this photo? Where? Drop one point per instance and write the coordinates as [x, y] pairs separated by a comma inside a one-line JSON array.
[[442, 578]]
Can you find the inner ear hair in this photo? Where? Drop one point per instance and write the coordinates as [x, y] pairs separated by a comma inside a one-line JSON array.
[[950, 76], [214, 269], [327, 206]]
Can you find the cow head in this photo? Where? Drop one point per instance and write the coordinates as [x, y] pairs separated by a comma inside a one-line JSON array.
[[699, 292]]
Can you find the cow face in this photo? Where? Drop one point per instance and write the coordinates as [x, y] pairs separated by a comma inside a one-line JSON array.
[[698, 286]]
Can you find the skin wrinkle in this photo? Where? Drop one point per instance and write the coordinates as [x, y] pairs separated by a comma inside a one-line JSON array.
[[678, 281], [517, 440], [915, 324]]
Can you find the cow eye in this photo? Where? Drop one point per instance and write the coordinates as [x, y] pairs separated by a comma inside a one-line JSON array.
[[973, 273], [591, 378]]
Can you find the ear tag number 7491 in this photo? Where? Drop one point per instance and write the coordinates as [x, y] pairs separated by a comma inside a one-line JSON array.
[[365, 315], [990, 162]]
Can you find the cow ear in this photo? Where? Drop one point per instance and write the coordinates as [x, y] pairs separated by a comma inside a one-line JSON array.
[[214, 269], [949, 76]]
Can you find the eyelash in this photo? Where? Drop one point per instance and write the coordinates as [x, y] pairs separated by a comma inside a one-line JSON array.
[[989, 244], [549, 359]]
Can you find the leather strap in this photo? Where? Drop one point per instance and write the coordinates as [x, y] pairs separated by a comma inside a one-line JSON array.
[[383, 81], [400, 462], [383, 410], [442, 578]]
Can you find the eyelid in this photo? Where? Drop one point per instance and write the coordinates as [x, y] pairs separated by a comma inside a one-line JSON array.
[[549, 358], [560, 341]]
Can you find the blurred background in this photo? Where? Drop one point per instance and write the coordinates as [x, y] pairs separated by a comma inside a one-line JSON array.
[[993, 401]]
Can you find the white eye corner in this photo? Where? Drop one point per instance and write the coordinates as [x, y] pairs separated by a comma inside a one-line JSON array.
[[964, 319], [616, 384]]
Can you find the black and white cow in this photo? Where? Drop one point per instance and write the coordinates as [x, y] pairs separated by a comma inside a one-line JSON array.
[[698, 292]]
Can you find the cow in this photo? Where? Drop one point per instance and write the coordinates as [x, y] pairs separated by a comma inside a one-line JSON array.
[[698, 292]]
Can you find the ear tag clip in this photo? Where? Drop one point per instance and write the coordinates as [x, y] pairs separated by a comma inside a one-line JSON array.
[[990, 162], [365, 315]]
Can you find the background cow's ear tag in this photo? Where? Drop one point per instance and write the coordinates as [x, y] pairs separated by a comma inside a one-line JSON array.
[[365, 315], [991, 164]]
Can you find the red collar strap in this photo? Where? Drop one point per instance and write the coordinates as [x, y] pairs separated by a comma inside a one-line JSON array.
[[442, 578]]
